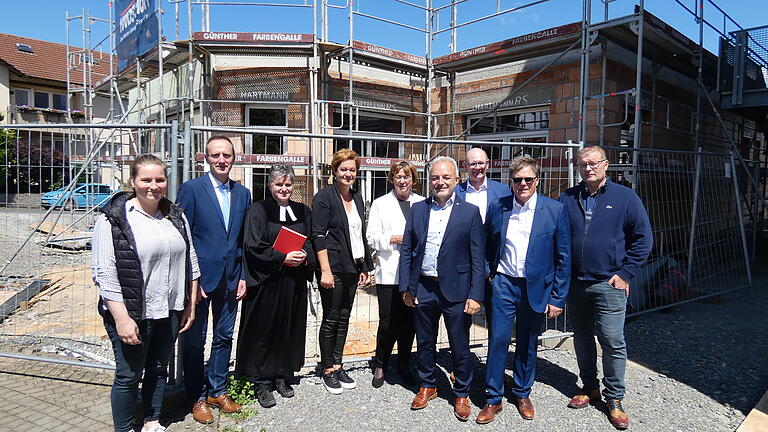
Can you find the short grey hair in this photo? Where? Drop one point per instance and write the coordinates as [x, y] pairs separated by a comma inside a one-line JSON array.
[[279, 171], [445, 159]]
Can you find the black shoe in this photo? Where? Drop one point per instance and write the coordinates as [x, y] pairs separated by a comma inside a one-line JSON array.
[[345, 380], [377, 382], [405, 374], [331, 383], [264, 395], [282, 387]]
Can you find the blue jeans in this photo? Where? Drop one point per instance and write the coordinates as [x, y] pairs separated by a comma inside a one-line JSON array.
[[511, 307], [223, 303], [150, 357], [597, 308]]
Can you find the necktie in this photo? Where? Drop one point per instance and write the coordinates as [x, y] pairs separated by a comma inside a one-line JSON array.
[[225, 205]]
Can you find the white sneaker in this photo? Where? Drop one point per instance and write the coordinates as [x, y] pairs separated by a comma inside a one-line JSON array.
[[156, 428]]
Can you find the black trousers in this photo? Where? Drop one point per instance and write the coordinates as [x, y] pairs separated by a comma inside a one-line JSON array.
[[395, 325], [337, 307]]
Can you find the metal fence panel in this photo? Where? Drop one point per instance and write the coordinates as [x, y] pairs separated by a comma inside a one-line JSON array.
[[694, 211]]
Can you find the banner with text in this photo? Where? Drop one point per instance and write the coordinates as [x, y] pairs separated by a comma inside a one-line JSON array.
[[137, 31]]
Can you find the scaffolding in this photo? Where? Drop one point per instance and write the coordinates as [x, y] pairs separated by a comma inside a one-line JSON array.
[[338, 81], [178, 97]]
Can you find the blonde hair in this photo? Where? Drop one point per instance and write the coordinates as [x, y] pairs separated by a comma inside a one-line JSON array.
[[147, 159], [342, 156], [403, 165], [592, 149]]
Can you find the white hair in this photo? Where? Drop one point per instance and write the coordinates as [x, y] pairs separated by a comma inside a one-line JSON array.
[[443, 160]]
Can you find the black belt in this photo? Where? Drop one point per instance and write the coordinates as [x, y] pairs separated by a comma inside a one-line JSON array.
[[432, 278]]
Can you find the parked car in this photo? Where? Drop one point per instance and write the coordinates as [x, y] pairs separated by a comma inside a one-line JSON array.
[[82, 195]]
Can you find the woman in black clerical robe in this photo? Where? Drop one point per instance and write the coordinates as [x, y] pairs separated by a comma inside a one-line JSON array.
[[273, 319]]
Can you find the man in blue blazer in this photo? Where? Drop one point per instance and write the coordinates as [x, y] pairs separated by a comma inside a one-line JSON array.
[[481, 191], [442, 272], [478, 189], [528, 247], [215, 207]]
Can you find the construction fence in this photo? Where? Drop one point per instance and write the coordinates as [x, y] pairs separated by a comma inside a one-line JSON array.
[[48, 299]]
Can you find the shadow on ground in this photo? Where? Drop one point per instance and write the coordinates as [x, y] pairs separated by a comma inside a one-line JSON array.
[[716, 346]]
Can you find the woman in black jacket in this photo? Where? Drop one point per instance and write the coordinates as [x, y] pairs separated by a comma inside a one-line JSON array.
[[146, 269], [343, 258]]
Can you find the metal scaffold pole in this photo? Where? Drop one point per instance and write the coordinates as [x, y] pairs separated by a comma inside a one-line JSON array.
[[637, 137]]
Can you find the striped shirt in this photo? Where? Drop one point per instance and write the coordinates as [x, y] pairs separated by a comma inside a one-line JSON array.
[[162, 254]]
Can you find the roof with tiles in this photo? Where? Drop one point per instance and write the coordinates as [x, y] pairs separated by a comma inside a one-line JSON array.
[[48, 60]]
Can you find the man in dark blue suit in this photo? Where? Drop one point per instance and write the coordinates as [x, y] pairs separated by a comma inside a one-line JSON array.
[[478, 189], [215, 207], [442, 272], [481, 191], [528, 247]]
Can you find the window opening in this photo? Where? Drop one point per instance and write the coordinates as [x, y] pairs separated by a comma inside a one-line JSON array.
[[20, 47]]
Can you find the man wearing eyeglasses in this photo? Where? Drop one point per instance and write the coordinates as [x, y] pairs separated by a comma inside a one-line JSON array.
[[610, 238], [478, 189], [528, 248]]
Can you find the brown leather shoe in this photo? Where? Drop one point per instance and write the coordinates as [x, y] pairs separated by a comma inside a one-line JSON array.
[[202, 413], [616, 414], [584, 398], [488, 413], [461, 408], [525, 408], [423, 397], [224, 403]]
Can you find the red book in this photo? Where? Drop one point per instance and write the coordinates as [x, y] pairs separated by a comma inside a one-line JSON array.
[[289, 240]]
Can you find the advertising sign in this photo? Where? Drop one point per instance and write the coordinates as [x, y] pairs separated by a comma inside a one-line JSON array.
[[266, 159], [253, 38], [137, 31], [378, 162]]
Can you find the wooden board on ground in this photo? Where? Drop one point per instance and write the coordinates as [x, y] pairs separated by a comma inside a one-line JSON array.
[[66, 309], [49, 227]]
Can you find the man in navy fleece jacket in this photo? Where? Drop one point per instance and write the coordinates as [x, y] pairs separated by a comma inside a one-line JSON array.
[[610, 240]]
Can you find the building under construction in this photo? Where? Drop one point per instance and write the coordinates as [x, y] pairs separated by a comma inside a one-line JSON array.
[[683, 126]]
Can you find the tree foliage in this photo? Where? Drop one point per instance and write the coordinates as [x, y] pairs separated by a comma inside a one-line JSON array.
[[28, 165]]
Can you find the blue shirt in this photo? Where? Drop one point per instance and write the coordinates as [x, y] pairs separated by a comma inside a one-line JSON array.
[[438, 221], [222, 194]]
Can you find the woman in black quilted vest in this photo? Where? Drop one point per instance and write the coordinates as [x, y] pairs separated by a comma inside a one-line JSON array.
[[146, 269]]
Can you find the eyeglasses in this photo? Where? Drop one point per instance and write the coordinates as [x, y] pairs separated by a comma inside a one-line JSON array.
[[528, 180], [592, 165]]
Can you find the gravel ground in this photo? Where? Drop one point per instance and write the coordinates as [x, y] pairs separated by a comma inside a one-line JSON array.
[[696, 367], [693, 368]]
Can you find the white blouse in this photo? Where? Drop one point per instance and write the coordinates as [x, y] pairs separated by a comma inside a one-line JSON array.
[[386, 219], [355, 232]]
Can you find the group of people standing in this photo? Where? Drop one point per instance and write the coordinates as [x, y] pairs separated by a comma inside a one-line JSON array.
[[162, 268]]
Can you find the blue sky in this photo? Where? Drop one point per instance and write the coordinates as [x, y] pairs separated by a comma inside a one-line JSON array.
[[45, 19]]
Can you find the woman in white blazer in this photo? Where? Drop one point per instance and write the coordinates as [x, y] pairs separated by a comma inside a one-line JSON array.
[[386, 224]]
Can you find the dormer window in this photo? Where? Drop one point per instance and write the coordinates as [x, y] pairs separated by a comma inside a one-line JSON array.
[[20, 47]]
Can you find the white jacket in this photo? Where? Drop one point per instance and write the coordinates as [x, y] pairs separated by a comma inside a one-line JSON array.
[[385, 220]]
